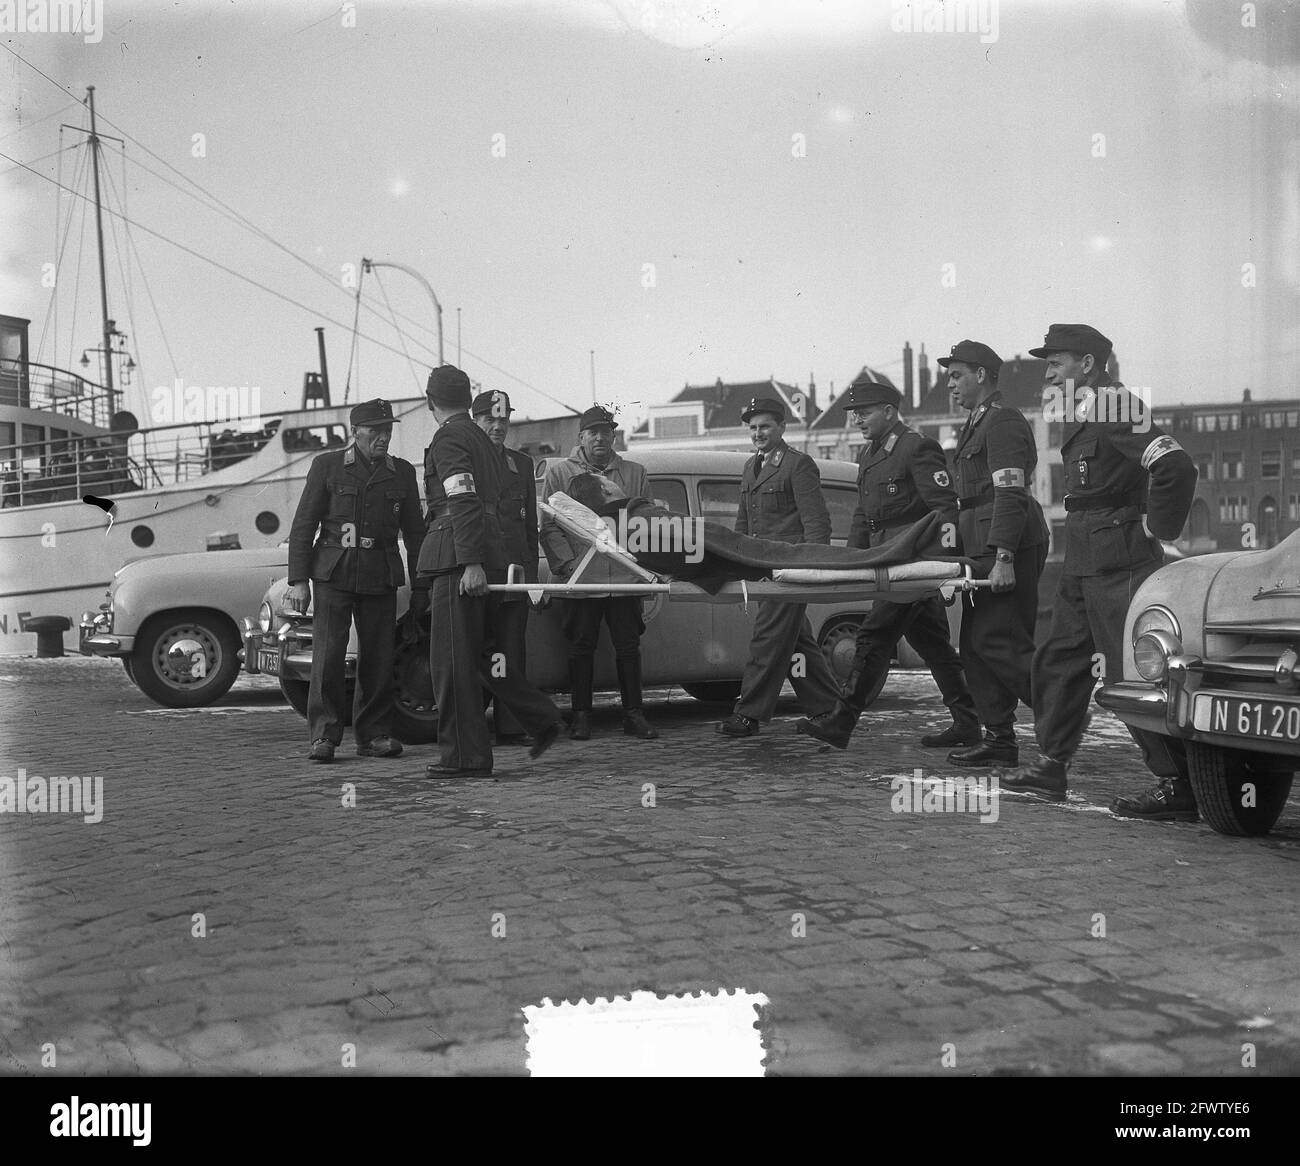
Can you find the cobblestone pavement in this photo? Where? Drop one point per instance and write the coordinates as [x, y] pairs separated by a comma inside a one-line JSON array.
[[372, 925]]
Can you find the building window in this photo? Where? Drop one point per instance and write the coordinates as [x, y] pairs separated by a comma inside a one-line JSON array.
[[1280, 418], [1217, 422], [1270, 463], [1054, 429], [1234, 509], [1234, 469], [1058, 483], [1293, 507], [1204, 467], [677, 426]]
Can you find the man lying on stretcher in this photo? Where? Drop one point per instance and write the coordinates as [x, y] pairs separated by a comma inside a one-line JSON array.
[[677, 549]]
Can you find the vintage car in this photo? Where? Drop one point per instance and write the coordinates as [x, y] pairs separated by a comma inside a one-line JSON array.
[[174, 620], [1212, 665], [702, 647]]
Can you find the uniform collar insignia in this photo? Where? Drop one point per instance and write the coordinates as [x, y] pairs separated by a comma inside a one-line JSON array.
[[893, 440], [350, 455]]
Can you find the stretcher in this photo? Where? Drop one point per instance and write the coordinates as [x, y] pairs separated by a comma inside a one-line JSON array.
[[898, 583]]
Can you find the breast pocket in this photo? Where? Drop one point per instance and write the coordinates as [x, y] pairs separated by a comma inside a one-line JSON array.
[[894, 495], [343, 501], [971, 469], [773, 499], [1081, 466]]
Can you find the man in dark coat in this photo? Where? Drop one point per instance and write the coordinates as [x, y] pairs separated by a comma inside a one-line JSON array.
[[517, 512], [1128, 485], [464, 549], [1003, 530], [359, 499], [902, 476], [780, 499]]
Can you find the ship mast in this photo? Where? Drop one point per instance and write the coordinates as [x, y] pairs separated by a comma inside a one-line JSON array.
[[99, 231]]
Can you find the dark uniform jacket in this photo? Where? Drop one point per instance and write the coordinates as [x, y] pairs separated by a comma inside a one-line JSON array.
[[1115, 474], [463, 484], [993, 467], [517, 511], [359, 509], [901, 478], [783, 501]]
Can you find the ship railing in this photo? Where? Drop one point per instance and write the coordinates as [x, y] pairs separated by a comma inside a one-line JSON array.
[[32, 385], [66, 469]]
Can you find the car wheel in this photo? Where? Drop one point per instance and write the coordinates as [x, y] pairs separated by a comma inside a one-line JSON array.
[[415, 712], [186, 659], [296, 691], [839, 641], [1220, 778], [714, 691]]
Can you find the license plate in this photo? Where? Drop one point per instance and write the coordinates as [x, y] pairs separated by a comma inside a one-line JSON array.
[[1264, 720], [268, 660]]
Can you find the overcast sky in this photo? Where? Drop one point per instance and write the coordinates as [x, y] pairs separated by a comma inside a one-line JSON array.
[[693, 190]]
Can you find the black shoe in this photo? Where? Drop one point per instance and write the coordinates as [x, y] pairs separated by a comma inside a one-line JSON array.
[[986, 755], [580, 727], [635, 725], [451, 771], [380, 747], [547, 737], [1044, 779], [321, 750], [738, 726], [954, 735], [834, 727], [1170, 801]]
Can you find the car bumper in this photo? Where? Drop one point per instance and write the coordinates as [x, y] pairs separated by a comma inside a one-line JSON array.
[[1170, 709], [265, 654], [106, 644]]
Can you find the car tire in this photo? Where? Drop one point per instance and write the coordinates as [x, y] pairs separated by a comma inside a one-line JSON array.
[[296, 692], [164, 678], [127, 665], [839, 642], [1218, 777], [714, 691], [415, 711]]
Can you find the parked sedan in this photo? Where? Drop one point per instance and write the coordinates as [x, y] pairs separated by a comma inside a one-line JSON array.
[[702, 647], [174, 620], [1212, 663]]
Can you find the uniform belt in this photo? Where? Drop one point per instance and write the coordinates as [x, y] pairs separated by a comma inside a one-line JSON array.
[[985, 495], [1075, 502], [875, 525], [442, 509], [364, 544]]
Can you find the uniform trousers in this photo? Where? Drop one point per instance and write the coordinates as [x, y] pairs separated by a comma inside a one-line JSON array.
[[581, 620], [465, 636], [925, 625], [1085, 644], [780, 631], [333, 610], [997, 643], [511, 633]]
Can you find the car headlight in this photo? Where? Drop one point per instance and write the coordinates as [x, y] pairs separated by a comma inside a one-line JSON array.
[[1151, 653], [1155, 619], [264, 616]]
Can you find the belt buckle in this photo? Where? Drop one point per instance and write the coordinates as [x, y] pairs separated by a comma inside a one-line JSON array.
[[367, 543]]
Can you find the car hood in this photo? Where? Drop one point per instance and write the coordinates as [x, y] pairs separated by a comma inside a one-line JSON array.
[[1257, 586], [208, 562]]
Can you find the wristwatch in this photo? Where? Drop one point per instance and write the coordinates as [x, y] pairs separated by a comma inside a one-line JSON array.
[[1006, 557]]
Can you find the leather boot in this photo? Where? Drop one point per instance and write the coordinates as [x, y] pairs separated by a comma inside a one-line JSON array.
[[581, 671], [1044, 778], [834, 727], [1171, 800], [580, 726]]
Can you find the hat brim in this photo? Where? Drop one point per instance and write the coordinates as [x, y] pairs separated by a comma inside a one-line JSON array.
[[749, 413]]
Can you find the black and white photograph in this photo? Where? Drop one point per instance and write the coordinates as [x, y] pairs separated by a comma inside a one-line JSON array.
[[651, 538]]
